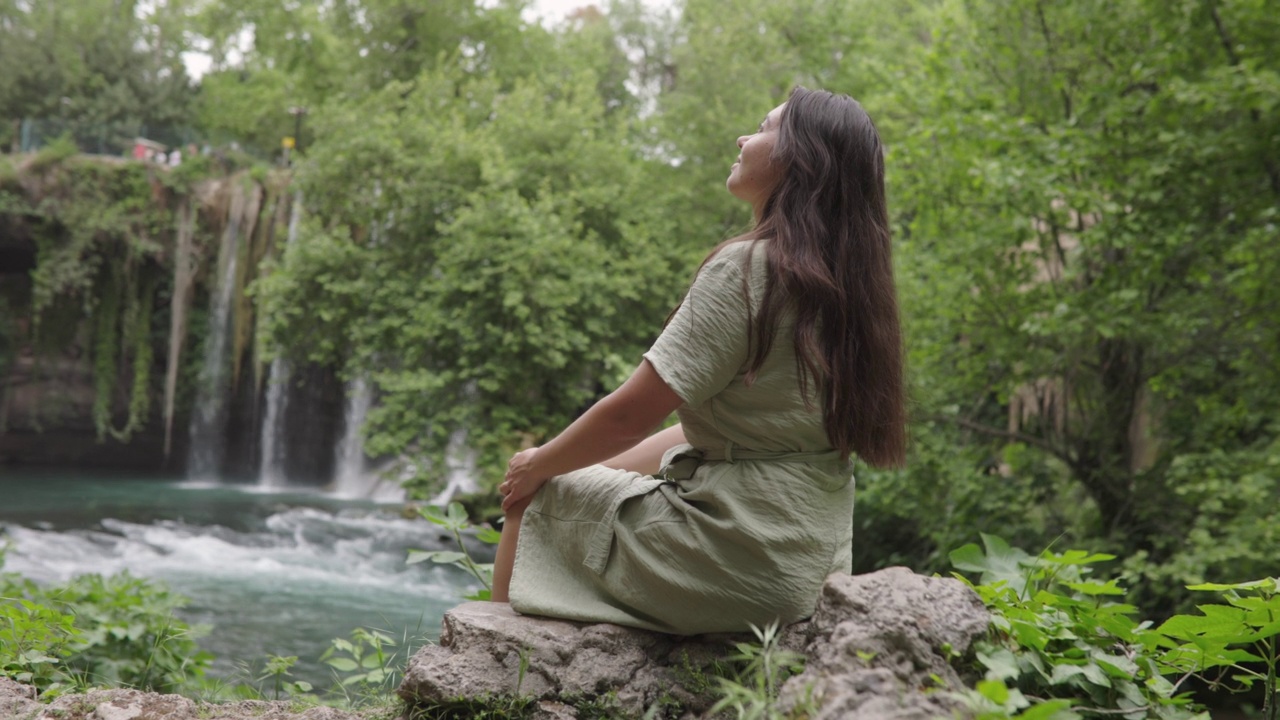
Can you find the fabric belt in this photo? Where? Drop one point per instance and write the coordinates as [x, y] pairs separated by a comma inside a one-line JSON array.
[[678, 464]]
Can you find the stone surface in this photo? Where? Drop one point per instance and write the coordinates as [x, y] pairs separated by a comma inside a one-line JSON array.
[[488, 649], [17, 703], [877, 647], [880, 646]]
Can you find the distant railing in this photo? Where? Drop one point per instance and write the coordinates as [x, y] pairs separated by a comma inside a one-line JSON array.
[[127, 139]]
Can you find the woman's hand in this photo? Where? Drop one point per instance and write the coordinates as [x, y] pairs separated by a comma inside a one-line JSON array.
[[521, 481]]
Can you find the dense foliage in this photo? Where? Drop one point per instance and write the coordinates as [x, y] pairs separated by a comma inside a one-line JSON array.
[[95, 631], [1064, 645]]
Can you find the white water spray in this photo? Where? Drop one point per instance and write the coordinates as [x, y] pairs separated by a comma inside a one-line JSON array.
[[209, 415], [350, 478], [460, 470], [271, 469]]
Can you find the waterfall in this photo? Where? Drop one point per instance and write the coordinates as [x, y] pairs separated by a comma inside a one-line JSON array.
[[350, 478], [271, 469], [460, 470], [208, 418]]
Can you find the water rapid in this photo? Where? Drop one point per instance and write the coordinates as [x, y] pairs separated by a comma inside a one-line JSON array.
[[280, 574]]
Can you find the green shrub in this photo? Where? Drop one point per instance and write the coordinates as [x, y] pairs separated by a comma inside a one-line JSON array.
[[34, 639], [130, 634], [115, 631], [1061, 648], [62, 147]]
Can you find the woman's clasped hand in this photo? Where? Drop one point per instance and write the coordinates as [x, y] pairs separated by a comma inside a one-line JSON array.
[[521, 481]]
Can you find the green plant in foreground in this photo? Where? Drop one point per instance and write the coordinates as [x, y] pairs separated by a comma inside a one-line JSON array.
[[1057, 640], [131, 636], [34, 640], [276, 670], [367, 662], [1226, 637], [95, 630], [455, 520], [1060, 648], [753, 693]]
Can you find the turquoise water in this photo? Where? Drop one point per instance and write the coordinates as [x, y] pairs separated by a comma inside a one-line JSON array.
[[272, 573]]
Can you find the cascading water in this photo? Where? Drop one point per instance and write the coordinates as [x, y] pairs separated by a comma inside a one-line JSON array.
[[271, 470], [208, 418], [460, 470], [350, 477]]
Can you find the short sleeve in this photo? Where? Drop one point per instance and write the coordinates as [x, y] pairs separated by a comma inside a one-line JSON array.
[[705, 345]]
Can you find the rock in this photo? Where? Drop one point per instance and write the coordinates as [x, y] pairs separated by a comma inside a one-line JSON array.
[[17, 702], [487, 649], [881, 646], [878, 646]]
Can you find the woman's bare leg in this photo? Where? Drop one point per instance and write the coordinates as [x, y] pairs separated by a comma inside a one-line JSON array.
[[505, 560]]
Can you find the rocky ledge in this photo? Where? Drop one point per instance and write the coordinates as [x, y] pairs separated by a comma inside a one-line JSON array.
[[17, 702], [877, 648]]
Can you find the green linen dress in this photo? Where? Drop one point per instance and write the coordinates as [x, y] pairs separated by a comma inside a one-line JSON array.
[[741, 526]]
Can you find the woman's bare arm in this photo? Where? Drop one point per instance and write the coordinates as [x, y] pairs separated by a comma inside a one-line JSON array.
[[647, 456], [615, 424]]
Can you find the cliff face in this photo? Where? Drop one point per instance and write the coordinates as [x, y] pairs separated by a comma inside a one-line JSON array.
[[110, 327]]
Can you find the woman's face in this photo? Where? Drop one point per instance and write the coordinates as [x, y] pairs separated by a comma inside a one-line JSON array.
[[754, 176]]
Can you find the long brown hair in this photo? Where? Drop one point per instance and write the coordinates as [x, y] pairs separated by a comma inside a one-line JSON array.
[[829, 257]]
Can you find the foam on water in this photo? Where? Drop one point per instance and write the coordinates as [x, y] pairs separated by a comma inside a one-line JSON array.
[[301, 546], [285, 581]]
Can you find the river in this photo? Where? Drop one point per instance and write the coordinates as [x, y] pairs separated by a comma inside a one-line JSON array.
[[273, 573]]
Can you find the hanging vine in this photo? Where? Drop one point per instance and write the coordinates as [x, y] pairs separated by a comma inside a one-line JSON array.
[[106, 316], [111, 241]]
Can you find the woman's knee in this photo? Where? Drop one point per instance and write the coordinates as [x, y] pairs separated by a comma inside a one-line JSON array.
[[516, 511]]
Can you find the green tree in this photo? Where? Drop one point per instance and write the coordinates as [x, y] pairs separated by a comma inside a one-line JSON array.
[[1086, 202], [104, 69], [481, 248]]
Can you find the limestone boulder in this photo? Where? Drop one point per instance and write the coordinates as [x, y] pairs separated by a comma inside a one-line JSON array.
[[881, 646], [486, 649], [878, 646], [17, 702]]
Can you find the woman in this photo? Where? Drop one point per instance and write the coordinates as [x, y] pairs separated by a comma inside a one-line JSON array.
[[784, 359]]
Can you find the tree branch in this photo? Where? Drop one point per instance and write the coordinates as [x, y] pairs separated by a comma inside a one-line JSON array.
[[1016, 436], [1273, 174]]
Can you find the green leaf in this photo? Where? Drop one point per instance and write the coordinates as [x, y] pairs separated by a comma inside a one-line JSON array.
[[1249, 585], [488, 535], [343, 664], [1096, 675], [442, 557], [419, 556], [1049, 710], [1001, 664], [1096, 588], [994, 690], [1063, 672], [1116, 665], [1000, 562]]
